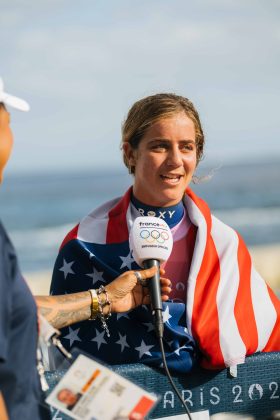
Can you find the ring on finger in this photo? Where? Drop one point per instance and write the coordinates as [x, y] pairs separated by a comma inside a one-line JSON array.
[[140, 279]]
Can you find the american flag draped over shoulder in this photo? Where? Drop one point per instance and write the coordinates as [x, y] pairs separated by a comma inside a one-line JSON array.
[[229, 310]]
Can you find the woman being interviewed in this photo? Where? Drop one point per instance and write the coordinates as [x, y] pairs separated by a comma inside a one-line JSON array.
[[218, 301], [19, 383]]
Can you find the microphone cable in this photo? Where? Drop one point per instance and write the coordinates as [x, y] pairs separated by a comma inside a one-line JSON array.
[[170, 378]]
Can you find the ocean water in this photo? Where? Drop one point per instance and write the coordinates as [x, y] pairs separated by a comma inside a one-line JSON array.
[[38, 210]]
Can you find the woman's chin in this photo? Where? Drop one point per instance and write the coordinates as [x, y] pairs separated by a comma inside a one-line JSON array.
[[172, 196]]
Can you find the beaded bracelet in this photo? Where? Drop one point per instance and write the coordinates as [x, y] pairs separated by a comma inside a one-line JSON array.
[[103, 318], [97, 307]]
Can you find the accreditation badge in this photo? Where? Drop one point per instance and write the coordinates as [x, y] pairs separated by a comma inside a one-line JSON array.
[[91, 391]]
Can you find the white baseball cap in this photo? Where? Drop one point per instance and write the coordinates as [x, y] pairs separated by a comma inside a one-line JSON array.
[[11, 100]]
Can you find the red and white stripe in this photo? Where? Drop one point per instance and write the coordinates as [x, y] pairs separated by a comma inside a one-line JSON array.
[[231, 311]]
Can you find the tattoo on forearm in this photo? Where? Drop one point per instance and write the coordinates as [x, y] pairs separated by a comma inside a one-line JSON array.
[[65, 310]]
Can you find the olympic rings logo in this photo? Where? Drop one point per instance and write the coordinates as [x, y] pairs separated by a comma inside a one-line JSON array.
[[154, 236]]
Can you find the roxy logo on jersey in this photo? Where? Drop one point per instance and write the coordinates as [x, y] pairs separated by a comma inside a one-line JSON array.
[[161, 214]]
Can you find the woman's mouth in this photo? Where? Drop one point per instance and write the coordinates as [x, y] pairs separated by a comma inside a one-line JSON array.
[[171, 178]]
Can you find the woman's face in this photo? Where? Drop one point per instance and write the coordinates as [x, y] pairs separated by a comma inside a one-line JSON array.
[[164, 161], [6, 139]]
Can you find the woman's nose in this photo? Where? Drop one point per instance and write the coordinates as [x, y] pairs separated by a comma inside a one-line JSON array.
[[174, 157]]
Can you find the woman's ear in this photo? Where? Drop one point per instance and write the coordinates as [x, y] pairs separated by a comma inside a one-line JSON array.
[[130, 154]]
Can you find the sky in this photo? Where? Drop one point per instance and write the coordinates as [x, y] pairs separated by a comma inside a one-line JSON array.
[[81, 65]]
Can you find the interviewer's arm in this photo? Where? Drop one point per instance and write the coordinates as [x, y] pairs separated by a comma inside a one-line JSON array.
[[124, 294], [65, 310]]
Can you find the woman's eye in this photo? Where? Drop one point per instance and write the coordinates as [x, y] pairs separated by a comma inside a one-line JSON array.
[[188, 147], [159, 146]]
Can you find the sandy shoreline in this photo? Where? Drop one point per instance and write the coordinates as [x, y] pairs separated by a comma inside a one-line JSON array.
[[266, 259]]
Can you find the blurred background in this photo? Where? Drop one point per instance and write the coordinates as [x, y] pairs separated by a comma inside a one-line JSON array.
[[81, 65]]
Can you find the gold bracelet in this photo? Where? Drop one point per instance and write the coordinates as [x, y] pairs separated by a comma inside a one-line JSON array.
[[94, 307]]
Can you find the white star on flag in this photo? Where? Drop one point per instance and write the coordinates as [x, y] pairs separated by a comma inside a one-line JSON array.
[[99, 338], [143, 349], [166, 315], [127, 261], [96, 276], [56, 413], [149, 325], [122, 341], [66, 268], [178, 350], [73, 335]]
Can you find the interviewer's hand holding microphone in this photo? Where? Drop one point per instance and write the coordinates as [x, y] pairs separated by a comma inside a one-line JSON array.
[[151, 242], [128, 291]]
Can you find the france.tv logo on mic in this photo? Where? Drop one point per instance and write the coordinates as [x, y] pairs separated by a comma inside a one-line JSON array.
[[150, 238]]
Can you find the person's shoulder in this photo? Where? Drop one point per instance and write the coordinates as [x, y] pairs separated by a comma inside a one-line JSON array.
[[102, 211], [199, 211], [113, 208], [4, 238], [222, 232], [93, 226], [220, 225], [9, 269], [3, 232]]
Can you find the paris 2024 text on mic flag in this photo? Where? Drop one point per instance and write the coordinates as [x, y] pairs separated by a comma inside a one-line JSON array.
[[151, 243]]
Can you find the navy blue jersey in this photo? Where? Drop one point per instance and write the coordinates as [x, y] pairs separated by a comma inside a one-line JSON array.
[[19, 382]]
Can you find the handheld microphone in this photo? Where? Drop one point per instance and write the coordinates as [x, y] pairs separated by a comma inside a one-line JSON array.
[[151, 241]]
